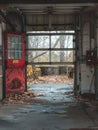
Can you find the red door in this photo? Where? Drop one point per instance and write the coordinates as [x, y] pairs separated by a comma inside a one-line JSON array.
[[14, 62]]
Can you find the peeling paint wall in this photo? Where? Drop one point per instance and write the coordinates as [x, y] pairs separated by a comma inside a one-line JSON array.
[[87, 77]]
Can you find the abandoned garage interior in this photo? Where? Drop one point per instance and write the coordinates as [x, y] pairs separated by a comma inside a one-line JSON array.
[[49, 65]]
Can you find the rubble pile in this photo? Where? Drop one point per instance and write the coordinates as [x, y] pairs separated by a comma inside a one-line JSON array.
[[19, 98]]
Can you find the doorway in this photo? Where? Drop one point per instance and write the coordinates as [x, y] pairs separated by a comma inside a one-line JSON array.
[[50, 62]]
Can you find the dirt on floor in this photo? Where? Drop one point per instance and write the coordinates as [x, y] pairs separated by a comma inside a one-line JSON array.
[[29, 96], [49, 107], [51, 79], [19, 98]]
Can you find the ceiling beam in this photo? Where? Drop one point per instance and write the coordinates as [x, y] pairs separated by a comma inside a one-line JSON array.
[[46, 1]]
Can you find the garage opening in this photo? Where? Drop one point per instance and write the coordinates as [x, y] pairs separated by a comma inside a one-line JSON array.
[[50, 61]]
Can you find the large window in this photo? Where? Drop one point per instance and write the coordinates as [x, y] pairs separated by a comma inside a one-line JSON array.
[[51, 48]]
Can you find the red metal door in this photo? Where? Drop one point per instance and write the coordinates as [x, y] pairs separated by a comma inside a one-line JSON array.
[[14, 62]]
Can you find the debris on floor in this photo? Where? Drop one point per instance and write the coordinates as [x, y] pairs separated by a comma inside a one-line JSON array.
[[88, 100], [89, 96], [40, 109], [19, 98], [51, 79], [86, 97]]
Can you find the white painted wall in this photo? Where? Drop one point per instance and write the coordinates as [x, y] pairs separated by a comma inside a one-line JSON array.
[[87, 79], [87, 72]]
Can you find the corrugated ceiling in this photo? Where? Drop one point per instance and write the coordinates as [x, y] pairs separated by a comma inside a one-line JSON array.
[[50, 16]]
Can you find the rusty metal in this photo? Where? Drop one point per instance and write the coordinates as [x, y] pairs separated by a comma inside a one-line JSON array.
[[15, 80], [14, 68]]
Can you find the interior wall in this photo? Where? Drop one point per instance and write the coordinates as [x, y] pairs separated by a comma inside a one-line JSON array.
[[86, 74]]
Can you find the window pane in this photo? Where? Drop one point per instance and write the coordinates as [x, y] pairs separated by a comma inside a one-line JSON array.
[[20, 54], [14, 46], [38, 42], [11, 54], [38, 56], [62, 41], [61, 56]]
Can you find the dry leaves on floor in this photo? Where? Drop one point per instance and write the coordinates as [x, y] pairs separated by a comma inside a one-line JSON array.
[[19, 98], [28, 97], [52, 79]]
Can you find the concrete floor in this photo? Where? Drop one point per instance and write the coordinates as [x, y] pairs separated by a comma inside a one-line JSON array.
[[55, 109]]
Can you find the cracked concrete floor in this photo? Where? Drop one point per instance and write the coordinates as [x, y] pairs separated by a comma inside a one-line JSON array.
[[55, 109]]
